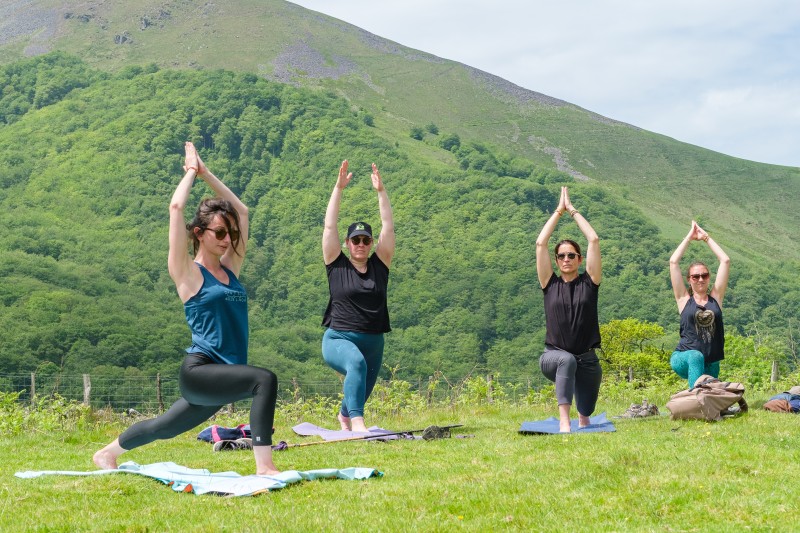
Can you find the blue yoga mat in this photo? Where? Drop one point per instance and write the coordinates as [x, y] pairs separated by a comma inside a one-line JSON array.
[[597, 424]]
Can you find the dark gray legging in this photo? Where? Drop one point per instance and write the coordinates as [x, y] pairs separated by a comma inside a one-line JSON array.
[[206, 387], [574, 375]]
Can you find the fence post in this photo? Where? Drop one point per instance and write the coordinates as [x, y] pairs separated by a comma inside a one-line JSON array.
[[774, 376], [159, 398], [489, 388], [87, 389], [33, 386]]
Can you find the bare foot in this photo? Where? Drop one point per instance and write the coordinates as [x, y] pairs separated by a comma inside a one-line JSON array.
[[268, 472], [344, 421], [357, 424], [106, 459], [565, 427], [583, 421]]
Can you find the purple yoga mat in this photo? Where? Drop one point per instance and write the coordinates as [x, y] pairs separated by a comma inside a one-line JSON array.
[[306, 429]]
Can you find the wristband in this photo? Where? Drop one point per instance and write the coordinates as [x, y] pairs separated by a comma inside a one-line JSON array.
[[572, 213]]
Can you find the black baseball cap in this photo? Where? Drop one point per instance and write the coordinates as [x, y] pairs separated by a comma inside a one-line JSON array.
[[359, 228]]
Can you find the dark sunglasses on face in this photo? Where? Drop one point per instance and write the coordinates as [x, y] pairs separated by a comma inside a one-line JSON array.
[[220, 233], [358, 239], [698, 277], [571, 255]]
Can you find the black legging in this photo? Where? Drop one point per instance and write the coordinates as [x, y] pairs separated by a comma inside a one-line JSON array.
[[206, 387]]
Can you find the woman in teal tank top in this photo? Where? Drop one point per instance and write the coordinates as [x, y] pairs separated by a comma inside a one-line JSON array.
[[215, 371]]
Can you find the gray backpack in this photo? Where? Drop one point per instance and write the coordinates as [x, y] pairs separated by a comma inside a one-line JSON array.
[[707, 400]]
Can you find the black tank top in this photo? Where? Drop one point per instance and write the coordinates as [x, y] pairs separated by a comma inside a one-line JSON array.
[[702, 330], [570, 312], [357, 301]]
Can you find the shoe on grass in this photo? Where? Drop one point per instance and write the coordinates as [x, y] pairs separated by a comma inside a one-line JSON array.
[[230, 445]]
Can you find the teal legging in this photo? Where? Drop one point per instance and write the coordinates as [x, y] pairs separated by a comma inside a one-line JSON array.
[[691, 364], [358, 356]]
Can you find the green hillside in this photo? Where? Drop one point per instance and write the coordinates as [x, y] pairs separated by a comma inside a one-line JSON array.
[[89, 160], [90, 152], [747, 205]]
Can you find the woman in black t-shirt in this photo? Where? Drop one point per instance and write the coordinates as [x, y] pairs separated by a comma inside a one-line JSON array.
[[571, 323], [357, 314], [702, 343]]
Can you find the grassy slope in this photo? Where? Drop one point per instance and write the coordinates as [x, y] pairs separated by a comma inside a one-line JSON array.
[[651, 475], [748, 206]]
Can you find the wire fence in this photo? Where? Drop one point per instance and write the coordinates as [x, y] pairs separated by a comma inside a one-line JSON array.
[[155, 393]]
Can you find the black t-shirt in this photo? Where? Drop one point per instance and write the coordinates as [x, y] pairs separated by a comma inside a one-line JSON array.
[[706, 335], [570, 312], [357, 301]]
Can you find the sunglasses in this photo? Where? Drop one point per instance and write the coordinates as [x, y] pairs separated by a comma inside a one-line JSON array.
[[698, 277], [358, 239], [571, 255], [220, 233]]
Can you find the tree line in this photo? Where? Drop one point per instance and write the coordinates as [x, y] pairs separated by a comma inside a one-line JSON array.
[[89, 160]]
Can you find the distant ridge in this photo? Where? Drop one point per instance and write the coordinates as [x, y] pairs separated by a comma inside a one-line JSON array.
[[401, 88]]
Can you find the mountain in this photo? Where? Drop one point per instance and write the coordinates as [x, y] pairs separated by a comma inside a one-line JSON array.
[[467, 215], [748, 206]]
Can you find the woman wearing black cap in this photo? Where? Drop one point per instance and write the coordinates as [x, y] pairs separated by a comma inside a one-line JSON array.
[[357, 315]]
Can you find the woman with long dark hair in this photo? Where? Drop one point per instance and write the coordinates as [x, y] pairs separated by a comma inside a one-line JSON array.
[[214, 372]]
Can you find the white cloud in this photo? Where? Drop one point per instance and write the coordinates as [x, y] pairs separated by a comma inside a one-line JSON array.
[[722, 74]]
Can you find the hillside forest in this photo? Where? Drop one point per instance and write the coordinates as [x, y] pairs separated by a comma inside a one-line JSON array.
[[89, 161]]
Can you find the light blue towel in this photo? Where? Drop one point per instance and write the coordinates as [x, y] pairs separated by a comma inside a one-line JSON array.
[[201, 481]]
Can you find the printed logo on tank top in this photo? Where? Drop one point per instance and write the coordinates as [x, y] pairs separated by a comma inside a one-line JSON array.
[[235, 296]]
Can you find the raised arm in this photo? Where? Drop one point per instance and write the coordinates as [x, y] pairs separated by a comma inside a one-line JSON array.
[[723, 271], [331, 247], [184, 273], [544, 264], [594, 264], [675, 274], [231, 260], [385, 248]]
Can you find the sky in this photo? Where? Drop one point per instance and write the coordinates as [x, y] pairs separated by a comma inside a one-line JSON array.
[[721, 74]]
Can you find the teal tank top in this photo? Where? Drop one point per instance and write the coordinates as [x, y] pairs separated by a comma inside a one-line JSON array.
[[217, 316]]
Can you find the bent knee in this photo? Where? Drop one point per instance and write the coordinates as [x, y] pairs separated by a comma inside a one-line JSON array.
[[266, 379]]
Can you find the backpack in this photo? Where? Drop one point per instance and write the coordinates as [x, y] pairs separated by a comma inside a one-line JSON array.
[[217, 433], [706, 400]]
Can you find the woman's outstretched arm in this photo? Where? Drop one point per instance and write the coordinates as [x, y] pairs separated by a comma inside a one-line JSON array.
[[331, 247], [186, 276], [544, 263], [594, 264], [386, 243], [724, 269], [233, 258]]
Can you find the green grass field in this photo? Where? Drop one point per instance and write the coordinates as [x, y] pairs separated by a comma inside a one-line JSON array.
[[651, 475]]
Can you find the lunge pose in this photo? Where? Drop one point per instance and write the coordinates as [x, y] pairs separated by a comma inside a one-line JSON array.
[[702, 343], [570, 309], [215, 371], [357, 315]]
